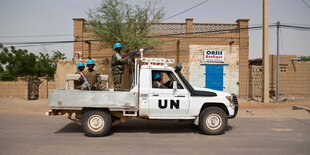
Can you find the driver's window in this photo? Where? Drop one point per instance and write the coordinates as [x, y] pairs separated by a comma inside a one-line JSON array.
[[164, 80]]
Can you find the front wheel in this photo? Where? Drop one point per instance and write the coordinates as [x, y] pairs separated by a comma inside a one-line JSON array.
[[96, 123], [212, 121]]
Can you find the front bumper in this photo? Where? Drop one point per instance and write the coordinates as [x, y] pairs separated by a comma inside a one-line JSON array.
[[236, 105]]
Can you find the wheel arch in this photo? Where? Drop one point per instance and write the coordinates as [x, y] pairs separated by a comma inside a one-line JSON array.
[[215, 104]]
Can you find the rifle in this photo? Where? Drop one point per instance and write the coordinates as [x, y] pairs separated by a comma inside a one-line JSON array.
[[136, 52], [86, 83]]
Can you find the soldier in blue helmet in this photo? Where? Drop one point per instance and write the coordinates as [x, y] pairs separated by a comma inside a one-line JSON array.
[[89, 77], [157, 81], [80, 68], [118, 66]]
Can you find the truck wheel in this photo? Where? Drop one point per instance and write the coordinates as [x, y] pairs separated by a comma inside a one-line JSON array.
[[212, 121], [96, 123]]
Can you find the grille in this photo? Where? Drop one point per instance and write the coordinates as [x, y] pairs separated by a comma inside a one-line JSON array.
[[235, 100]]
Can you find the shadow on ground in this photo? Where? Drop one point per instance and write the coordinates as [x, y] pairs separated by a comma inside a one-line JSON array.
[[134, 126], [70, 128]]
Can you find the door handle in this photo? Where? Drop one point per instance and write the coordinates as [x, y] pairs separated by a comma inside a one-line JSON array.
[[179, 96], [155, 94]]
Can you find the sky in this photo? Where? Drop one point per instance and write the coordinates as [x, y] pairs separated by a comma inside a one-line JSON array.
[[54, 17]]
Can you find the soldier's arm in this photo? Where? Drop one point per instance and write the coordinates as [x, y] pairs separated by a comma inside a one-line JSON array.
[[121, 59], [97, 78], [162, 86], [81, 79]]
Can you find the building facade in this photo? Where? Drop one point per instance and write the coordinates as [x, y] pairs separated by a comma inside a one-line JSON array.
[[213, 55]]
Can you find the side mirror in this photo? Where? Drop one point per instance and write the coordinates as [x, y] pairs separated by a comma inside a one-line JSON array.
[[175, 86]]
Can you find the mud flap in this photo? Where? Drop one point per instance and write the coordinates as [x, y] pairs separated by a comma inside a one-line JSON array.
[[196, 121]]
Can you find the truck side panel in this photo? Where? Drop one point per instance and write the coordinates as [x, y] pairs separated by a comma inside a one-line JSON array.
[[78, 99]]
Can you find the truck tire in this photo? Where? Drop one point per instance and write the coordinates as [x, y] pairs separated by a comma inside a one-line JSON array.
[[212, 121], [96, 123]]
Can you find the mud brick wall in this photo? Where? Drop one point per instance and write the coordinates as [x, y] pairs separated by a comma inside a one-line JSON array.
[[294, 77], [45, 86], [14, 88], [21, 88], [255, 81]]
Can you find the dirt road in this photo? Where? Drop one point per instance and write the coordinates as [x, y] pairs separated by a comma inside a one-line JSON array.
[[267, 129]]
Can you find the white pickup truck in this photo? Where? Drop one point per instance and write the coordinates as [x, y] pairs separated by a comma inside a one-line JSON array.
[[97, 111]]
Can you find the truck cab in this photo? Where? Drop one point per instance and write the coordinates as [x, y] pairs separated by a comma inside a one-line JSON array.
[[175, 99]]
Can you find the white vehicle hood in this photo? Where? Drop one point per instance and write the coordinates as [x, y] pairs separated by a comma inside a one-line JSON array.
[[219, 93]]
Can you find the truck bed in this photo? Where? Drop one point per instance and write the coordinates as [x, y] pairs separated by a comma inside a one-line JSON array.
[[73, 99]]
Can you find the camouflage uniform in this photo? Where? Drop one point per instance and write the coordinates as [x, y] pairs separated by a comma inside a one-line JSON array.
[[77, 84], [92, 78], [118, 66]]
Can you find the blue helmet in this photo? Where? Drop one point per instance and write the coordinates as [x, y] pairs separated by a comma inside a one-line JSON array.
[[117, 45], [156, 75], [90, 62], [80, 64]]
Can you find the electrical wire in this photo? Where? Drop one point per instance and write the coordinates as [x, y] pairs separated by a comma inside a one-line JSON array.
[[185, 10], [306, 3], [251, 28], [47, 42], [36, 36], [295, 26], [307, 25]]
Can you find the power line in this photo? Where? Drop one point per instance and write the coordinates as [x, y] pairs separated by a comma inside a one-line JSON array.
[[306, 3], [185, 10], [252, 28], [307, 25], [36, 36], [295, 26], [48, 44], [45, 42]]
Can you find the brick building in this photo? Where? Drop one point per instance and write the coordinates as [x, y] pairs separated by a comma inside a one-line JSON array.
[[294, 76], [217, 59]]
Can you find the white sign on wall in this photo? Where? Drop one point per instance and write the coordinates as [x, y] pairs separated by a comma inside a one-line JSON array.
[[213, 56]]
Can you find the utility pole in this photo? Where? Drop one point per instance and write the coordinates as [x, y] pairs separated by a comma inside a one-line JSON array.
[[265, 90], [89, 48], [278, 62]]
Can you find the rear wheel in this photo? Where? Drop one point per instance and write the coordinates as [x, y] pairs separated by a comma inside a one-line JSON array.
[[96, 123], [212, 121]]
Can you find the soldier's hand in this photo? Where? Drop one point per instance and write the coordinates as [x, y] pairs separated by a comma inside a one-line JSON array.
[[81, 79], [93, 88]]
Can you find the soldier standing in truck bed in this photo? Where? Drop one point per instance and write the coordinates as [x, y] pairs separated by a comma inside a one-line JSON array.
[[118, 66]]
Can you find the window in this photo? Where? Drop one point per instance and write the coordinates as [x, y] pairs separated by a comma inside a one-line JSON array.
[[283, 69], [164, 80]]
